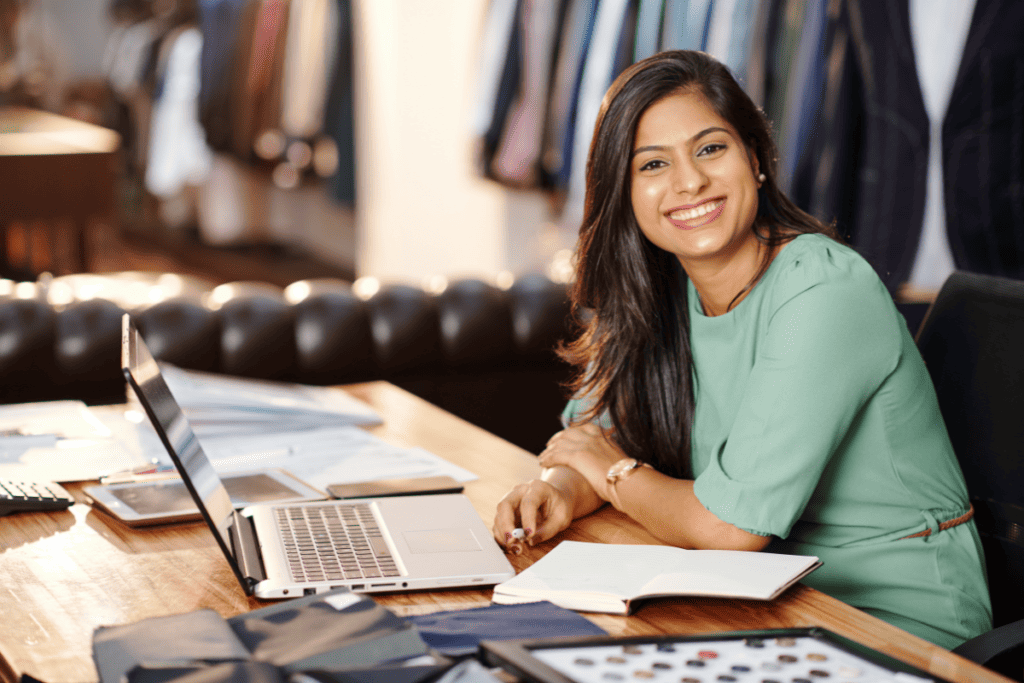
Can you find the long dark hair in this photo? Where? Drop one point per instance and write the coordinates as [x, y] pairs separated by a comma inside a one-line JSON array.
[[633, 357]]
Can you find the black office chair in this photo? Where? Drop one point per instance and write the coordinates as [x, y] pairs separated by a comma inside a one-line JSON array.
[[972, 340]]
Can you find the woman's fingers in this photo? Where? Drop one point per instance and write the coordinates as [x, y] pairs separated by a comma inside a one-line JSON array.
[[537, 507], [506, 516], [531, 510]]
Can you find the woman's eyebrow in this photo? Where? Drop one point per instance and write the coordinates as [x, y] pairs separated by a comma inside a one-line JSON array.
[[698, 136]]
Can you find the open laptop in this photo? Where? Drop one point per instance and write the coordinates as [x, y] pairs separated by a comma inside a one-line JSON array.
[[288, 550]]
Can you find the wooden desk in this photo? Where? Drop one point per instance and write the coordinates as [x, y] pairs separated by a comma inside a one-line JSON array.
[[64, 574], [58, 174]]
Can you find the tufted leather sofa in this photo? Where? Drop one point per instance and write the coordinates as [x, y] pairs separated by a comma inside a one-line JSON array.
[[479, 351]]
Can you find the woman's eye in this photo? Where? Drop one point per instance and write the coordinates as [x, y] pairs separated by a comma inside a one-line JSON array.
[[712, 148], [651, 165]]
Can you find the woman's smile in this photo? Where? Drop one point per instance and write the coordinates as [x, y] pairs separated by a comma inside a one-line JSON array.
[[703, 213]]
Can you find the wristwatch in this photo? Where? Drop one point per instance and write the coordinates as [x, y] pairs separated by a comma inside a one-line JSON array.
[[622, 469]]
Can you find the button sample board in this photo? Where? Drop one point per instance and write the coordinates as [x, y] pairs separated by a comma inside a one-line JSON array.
[[778, 656]]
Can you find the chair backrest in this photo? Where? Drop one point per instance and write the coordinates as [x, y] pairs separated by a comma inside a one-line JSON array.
[[972, 340]]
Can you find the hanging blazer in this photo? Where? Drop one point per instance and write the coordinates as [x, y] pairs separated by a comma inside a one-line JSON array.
[[866, 167]]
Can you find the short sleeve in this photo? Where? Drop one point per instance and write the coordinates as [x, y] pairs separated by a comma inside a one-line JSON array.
[[827, 339], [578, 405]]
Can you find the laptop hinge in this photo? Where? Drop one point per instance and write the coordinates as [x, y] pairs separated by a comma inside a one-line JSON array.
[[247, 549]]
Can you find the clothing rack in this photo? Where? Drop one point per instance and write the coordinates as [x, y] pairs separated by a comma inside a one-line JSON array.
[[236, 87], [836, 78]]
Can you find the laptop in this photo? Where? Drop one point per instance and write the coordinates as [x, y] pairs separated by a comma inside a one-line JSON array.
[[287, 550]]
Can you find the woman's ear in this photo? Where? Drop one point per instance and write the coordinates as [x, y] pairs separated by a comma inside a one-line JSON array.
[[755, 164]]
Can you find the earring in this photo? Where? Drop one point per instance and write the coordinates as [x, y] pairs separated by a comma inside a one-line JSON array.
[[761, 178]]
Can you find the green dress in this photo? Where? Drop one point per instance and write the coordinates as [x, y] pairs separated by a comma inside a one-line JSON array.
[[817, 424]]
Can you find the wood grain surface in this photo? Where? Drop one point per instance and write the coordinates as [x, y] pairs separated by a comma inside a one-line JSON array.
[[63, 574]]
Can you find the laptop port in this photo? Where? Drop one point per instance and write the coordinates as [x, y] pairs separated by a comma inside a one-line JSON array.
[[382, 585], [309, 591], [357, 586]]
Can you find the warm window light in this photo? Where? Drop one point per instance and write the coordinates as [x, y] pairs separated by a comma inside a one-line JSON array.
[[297, 291], [435, 284], [171, 284], [220, 295], [25, 290], [88, 291], [325, 157], [269, 144], [60, 293], [138, 292], [365, 287], [300, 154], [560, 269], [504, 280], [286, 176]]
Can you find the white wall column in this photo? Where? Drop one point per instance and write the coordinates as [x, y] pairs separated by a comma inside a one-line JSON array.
[[421, 209]]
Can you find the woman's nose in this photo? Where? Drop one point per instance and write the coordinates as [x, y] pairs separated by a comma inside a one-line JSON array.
[[689, 178]]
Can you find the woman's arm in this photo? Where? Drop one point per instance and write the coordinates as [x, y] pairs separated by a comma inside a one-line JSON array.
[[668, 508], [665, 506]]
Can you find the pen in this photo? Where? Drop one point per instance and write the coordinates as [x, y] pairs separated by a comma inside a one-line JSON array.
[[140, 473]]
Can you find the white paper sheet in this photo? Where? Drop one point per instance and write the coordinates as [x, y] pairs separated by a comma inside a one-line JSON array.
[[322, 457]]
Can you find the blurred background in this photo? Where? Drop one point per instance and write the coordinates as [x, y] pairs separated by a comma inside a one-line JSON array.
[[407, 139]]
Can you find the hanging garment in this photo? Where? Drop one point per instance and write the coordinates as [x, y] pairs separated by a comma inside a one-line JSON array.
[[869, 167], [560, 127], [339, 114], [603, 63], [803, 95], [517, 160], [308, 59], [686, 24], [261, 59], [178, 154], [499, 78], [220, 22], [939, 30], [759, 76], [648, 28]]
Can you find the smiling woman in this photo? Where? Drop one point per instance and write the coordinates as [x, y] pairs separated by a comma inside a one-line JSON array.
[[694, 193], [744, 380]]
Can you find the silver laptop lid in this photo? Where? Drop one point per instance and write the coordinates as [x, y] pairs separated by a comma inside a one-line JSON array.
[[203, 483]]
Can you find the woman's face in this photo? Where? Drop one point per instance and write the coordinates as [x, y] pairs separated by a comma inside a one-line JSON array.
[[694, 183]]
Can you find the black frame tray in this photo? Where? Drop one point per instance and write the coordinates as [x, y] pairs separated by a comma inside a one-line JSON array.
[[516, 656]]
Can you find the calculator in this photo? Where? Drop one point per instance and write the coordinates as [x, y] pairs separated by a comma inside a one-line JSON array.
[[28, 496]]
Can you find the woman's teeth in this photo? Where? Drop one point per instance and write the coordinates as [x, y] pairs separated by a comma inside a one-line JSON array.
[[697, 211]]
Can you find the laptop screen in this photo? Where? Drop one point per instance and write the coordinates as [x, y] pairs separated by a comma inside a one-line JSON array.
[[143, 375]]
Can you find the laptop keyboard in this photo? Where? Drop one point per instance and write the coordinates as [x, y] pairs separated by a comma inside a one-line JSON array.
[[334, 542]]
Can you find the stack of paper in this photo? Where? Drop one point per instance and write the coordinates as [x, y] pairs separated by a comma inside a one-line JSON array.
[[312, 432], [58, 441], [224, 405]]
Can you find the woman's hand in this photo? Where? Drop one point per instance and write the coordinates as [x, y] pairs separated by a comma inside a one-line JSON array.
[[587, 450], [537, 507], [543, 507]]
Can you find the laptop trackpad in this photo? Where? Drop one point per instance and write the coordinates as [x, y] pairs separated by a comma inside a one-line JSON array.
[[441, 540]]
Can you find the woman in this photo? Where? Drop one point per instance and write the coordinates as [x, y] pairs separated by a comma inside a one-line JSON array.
[[748, 381]]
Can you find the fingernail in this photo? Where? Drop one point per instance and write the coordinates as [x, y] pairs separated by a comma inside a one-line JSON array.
[[508, 535]]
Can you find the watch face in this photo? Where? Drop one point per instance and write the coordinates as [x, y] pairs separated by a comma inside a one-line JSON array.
[[622, 468]]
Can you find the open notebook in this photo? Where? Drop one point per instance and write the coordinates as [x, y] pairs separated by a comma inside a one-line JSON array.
[[606, 577]]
